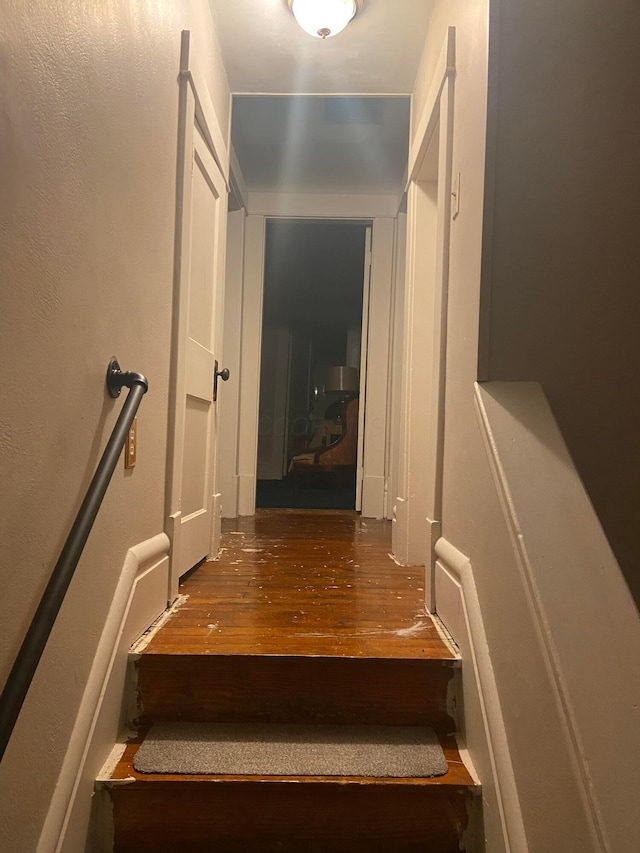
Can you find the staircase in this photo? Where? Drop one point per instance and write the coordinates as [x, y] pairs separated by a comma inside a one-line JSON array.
[[304, 619]]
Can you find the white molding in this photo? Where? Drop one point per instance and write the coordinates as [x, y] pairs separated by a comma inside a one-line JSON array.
[[570, 579], [250, 348], [246, 494], [394, 388], [229, 400], [191, 69], [376, 416], [428, 121], [236, 179], [140, 596], [323, 206], [421, 474], [216, 527], [373, 496], [485, 735]]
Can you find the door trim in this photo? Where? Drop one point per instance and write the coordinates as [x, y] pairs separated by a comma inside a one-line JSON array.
[[419, 503], [375, 430]]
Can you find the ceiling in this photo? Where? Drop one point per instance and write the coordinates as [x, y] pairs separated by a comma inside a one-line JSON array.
[[294, 144], [313, 144]]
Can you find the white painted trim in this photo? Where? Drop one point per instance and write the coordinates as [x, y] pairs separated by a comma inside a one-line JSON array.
[[251, 347], [378, 365], [321, 206], [427, 123], [191, 69], [364, 350], [570, 578], [236, 179], [459, 609], [394, 387], [425, 333], [140, 596], [229, 400]]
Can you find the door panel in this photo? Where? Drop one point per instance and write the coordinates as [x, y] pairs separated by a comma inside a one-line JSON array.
[[199, 289]]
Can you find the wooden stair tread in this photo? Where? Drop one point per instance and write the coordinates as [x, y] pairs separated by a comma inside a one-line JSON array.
[[302, 583], [125, 773], [305, 618], [273, 814]]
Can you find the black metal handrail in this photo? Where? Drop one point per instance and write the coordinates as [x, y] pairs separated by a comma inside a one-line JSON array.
[[21, 675]]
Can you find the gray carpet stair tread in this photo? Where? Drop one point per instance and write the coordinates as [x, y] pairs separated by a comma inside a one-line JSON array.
[[264, 749]]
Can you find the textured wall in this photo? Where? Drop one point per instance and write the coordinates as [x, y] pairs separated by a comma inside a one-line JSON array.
[[565, 307], [563, 312], [472, 517], [88, 122]]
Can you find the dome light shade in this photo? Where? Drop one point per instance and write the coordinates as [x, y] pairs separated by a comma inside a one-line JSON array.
[[323, 18]]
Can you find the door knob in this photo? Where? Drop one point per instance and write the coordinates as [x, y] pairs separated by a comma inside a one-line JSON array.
[[223, 374]]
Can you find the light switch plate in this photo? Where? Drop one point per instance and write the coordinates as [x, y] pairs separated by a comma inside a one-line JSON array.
[[131, 447]]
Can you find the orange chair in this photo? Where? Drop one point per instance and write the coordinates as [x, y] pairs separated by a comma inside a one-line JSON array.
[[338, 458]]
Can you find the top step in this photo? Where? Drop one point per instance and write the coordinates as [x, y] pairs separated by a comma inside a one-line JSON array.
[[302, 584]]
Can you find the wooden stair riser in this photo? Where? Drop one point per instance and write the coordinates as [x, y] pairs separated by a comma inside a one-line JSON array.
[[287, 817], [292, 689]]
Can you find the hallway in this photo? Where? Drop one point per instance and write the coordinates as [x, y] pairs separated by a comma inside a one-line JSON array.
[[296, 582], [305, 618]]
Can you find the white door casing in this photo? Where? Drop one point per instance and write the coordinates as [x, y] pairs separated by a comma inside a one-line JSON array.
[[193, 517], [364, 344], [373, 454], [419, 503]]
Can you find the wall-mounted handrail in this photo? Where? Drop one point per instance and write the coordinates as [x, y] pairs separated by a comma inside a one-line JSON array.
[[26, 662]]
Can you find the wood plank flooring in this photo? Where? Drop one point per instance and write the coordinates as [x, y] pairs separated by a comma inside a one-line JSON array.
[[304, 618], [296, 582]]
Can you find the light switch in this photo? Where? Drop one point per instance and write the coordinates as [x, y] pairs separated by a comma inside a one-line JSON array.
[[131, 448]]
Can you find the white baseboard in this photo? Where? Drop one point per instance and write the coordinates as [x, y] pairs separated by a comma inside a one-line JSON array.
[[483, 726], [373, 496], [230, 498], [399, 532], [246, 494], [140, 596], [216, 526]]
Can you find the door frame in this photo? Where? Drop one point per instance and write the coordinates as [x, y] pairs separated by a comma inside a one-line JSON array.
[[195, 106], [418, 521], [375, 427]]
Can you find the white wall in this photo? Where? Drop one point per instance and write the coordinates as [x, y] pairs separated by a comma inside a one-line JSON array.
[[89, 114], [564, 306], [517, 727]]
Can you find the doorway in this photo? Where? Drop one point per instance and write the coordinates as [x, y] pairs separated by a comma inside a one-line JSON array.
[[310, 363], [304, 161]]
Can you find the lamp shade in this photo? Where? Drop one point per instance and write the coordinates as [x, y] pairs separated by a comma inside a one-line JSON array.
[[342, 380], [323, 18]]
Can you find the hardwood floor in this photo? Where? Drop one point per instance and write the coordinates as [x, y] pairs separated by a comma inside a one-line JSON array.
[[304, 618], [295, 582]]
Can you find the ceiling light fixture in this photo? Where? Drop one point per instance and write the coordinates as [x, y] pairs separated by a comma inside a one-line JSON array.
[[324, 18]]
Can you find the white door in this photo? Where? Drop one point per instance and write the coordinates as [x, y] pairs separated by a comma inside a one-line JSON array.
[[194, 517]]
